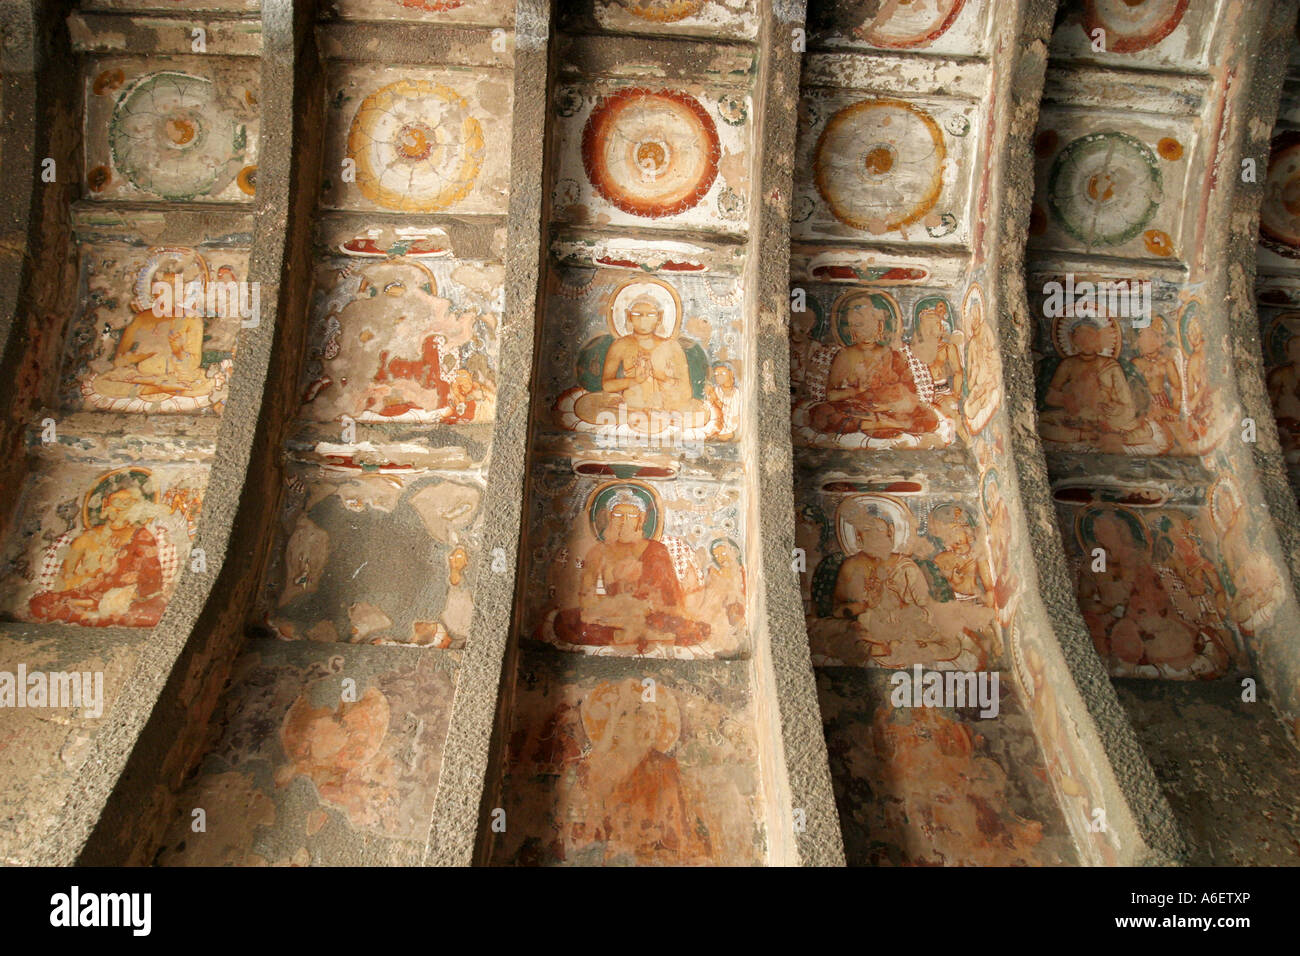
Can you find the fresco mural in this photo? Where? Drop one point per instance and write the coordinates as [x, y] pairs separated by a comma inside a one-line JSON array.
[[1114, 185], [883, 169], [932, 787], [649, 567], [101, 548], [619, 769], [1125, 384], [642, 156], [374, 558], [997, 518], [889, 367], [302, 766], [1152, 34], [1139, 141], [630, 720], [896, 580], [172, 129], [982, 385], [902, 510], [134, 348], [418, 140], [862, 377], [404, 340], [1070, 762], [1152, 584], [1255, 588], [634, 541], [658, 360]]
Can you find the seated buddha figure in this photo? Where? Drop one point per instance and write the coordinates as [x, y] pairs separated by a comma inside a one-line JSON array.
[[158, 355], [1132, 620], [645, 375], [1089, 399], [948, 797], [870, 388], [630, 802], [628, 594], [111, 573], [886, 594]]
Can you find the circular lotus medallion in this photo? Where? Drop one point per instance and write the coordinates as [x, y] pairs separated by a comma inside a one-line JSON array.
[[1104, 188], [1132, 25], [650, 153], [879, 164], [416, 146], [916, 23], [170, 135]]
